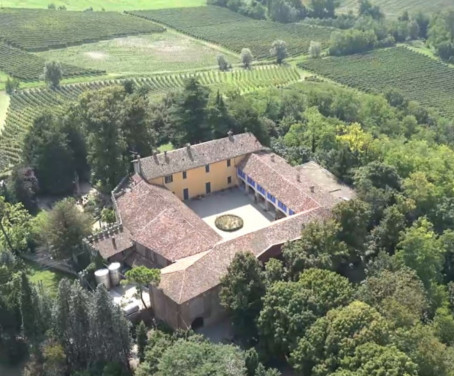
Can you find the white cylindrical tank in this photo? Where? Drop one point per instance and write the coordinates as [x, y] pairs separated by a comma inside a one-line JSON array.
[[115, 275], [102, 277]]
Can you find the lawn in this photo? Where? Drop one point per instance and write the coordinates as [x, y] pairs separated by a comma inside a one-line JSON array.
[[47, 278], [394, 8], [151, 53], [117, 5]]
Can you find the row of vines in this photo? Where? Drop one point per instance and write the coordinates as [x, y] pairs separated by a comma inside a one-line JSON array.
[[28, 104], [28, 67], [416, 76], [234, 31], [42, 29]]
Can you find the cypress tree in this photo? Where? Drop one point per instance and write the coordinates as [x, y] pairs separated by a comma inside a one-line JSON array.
[[141, 339]]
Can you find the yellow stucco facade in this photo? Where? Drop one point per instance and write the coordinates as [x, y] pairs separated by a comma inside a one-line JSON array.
[[194, 182]]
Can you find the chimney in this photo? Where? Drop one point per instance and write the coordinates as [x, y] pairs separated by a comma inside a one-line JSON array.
[[230, 134], [114, 242], [298, 178], [272, 157], [312, 189], [165, 154], [188, 146]]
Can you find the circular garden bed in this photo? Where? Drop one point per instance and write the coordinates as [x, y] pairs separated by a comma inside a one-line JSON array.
[[229, 222]]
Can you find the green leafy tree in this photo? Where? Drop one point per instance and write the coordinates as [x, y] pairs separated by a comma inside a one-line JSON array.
[[15, 226], [319, 247], [223, 64], [102, 117], [201, 358], [109, 330], [31, 327], [141, 276], [242, 289], [24, 186], [141, 339], [189, 114], [354, 219], [246, 58], [274, 271], [279, 51], [47, 151], [65, 228], [371, 359], [11, 85], [336, 336], [398, 295], [289, 308], [422, 250], [422, 346], [53, 73], [444, 325], [219, 117], [315, 49]]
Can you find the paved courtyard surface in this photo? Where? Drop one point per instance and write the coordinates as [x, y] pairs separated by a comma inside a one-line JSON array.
[[232, 201]]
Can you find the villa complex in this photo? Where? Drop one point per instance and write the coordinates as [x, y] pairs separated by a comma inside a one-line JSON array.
[[166, 214]]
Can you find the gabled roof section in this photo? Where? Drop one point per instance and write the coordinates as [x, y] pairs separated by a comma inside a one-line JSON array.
[[158, 220], [191, 277], [296, 190], [194, 156]]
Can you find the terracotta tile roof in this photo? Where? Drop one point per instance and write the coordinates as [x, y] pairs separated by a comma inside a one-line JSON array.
[[297, 191], [158, 220], [196, 276], [198, 155], [111, 244], [326, 180]]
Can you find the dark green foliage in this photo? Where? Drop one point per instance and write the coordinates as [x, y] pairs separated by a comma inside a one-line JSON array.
[[24, 186], [141, 339], [64, 229], [198, 358], [190, 113], [53, 74], [351, 41], [398, 295], [336, 336], [279, 51], [319, 247], [47, 151], [371, 359], [242, 289], [290, 308]]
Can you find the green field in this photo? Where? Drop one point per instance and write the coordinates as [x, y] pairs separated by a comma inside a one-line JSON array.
[[234, 31], [26, 105], [38, 30], [28, 67], [394, 8], [415, 75], [117, 5], [161, 52], [48, 279]]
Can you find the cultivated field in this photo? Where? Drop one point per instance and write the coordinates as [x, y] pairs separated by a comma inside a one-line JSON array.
[[28, 104], [418, 77], [38, 30], [117, 5], [394, 8], [234, 31], [142, 54], [28, 67]]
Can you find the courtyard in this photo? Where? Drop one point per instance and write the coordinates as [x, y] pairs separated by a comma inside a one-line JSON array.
[[231, 201]]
